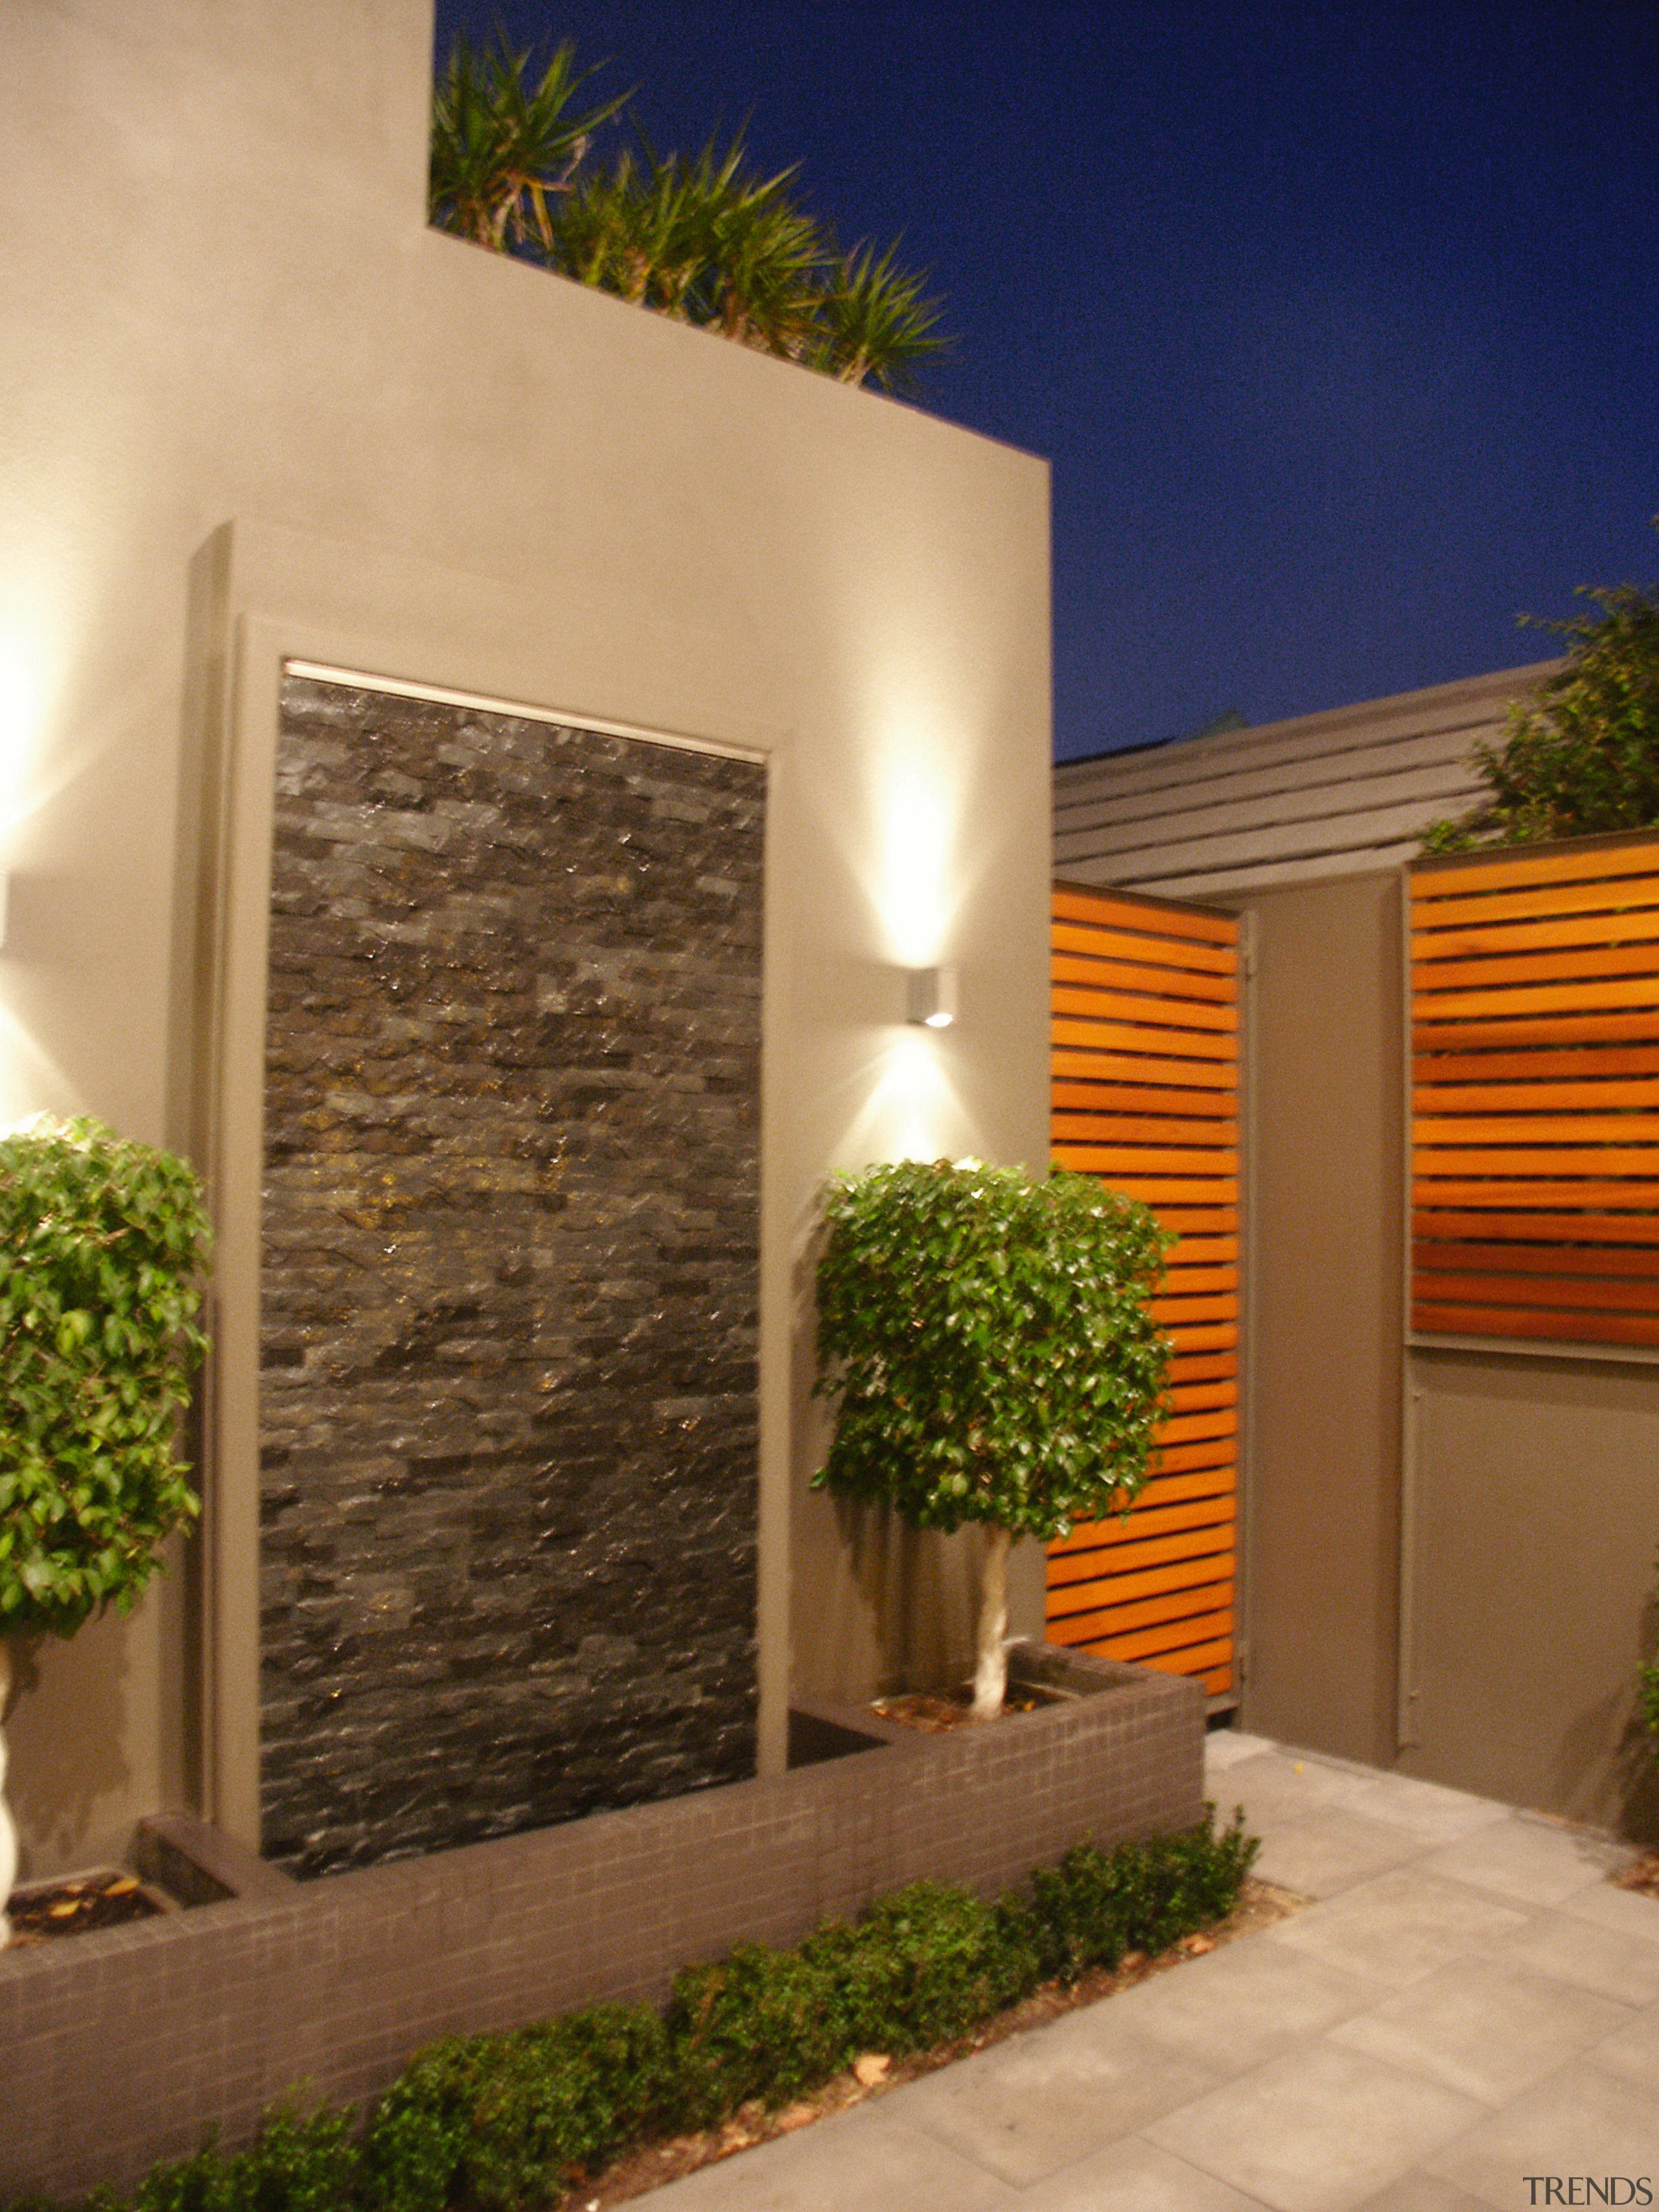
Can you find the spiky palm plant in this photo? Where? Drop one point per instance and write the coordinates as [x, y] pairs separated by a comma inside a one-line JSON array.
[[505, 146], [625, 231], [876, 321], [762, 272], [706, 241], [703, 240]]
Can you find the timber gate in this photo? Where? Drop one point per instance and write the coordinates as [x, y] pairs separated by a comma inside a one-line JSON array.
[[1144, 1067]]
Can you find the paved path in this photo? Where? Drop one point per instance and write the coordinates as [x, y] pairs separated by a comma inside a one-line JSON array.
[[1467, 2003]]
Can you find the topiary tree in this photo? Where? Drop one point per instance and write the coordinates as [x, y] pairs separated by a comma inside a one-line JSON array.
[[1583, 755], [102, 1244], [987, 1344]]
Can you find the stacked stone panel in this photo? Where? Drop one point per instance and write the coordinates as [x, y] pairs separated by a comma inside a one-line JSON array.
[[509, 1278]]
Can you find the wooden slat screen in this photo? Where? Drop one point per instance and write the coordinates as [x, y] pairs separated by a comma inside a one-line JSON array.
[[1145, 1059], [1535, 1095]]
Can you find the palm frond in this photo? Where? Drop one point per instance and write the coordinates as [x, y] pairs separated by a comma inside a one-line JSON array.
[[708, 240], [878, 322], [505, 143]]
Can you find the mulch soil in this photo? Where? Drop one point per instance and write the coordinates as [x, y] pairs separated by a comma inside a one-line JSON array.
[[875, 2073], [931, 1714], [106, 1899]]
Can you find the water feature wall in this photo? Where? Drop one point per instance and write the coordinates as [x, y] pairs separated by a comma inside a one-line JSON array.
[[509, 1277]]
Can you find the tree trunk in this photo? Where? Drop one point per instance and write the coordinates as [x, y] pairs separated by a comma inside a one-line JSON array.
[[991, 1674]]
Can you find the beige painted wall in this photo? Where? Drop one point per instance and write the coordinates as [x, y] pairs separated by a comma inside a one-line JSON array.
[[1535, 1485], [256, 408], [1323, 1299]]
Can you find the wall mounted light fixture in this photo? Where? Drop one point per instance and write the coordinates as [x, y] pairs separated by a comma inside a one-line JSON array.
[[5, 886], [931, 997]]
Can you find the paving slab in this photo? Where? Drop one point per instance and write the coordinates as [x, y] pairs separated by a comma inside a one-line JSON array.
[[1332, 1849], [1400, 1927], [868, 2159], [1275, 1788], [1582, 1952], [1425, 2192], [1134, 2176], [1630, 2055], [1037, 2103], [1225, 1748], [1489, 2028], [1581, 2121], [1240, 2006], [1318, 2132], [1529, 1862], [1436, 1813], [1628, 1912]]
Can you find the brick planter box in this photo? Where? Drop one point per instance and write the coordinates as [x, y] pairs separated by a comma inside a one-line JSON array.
[[127, 2046]]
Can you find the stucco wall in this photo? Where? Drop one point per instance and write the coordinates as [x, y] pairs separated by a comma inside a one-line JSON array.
[[256, 409], [1534, 1513], [1322, 1314]]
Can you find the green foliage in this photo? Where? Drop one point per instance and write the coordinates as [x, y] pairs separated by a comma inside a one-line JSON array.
[[501, 2122], [931, 1962], [505, 145], [759, 2023], [101, 1243], [1097, 1904], [1647, 1697], [506, 2122], [989, 1342], [1583, 757], [706, 240], [873, 319], [298, 2162], [925, 1964]]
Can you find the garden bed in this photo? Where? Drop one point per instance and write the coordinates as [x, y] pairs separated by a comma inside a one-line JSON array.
[[652, 2165], [617, 2099], [109, 1897], [220, 2011]]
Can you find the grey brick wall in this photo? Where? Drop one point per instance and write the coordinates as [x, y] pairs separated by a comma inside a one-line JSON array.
[[509, 1282], [216, 2013]]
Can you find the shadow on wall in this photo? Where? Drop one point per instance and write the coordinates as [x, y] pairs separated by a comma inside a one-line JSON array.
[[69, 1721]]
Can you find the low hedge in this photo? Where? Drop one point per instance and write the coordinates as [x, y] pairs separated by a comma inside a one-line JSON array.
[[504, 2123]]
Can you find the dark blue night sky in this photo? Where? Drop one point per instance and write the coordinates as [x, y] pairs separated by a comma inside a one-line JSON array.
[[1339, 323]]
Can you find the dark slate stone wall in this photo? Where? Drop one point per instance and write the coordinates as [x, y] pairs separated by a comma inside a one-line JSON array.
[[509, 1284]]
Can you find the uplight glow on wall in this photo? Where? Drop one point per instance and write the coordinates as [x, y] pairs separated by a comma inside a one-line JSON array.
[[915, 895], [916, 846], [912, 1111]]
